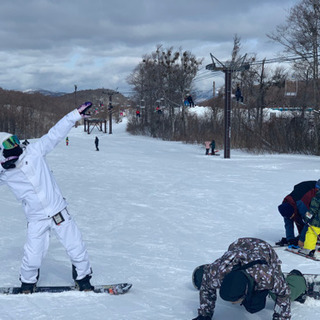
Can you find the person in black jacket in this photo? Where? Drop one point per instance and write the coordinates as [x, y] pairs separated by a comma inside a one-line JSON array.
[[96, 142]]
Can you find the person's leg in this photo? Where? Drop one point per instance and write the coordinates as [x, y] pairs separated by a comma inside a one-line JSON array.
[[311, 239], [35, 249], [69, 235], [289, 227]]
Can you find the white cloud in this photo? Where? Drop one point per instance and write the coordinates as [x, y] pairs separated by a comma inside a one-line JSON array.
[[54, 44]]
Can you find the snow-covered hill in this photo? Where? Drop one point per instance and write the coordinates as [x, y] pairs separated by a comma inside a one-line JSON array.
[[150, 211]]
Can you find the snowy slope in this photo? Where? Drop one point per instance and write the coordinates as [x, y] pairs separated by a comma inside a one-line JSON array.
[[150, 211]]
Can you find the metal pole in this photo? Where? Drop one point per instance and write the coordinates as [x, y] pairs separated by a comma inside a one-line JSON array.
[[238, 65], [110, 113], [227, 113], [75, 95]]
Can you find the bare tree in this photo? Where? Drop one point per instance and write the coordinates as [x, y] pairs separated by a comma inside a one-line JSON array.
[[300, 36], [164, 75]]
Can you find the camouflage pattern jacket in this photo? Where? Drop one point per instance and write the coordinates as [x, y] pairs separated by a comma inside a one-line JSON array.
[[266, 276], [315, 211]]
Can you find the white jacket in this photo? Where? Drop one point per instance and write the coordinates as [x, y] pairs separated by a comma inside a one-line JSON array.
[[32, 181]]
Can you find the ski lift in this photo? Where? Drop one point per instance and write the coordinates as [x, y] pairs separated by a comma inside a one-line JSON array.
[[290, 88]]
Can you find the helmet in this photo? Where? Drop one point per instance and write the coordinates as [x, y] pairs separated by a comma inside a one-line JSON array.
[[8, 141], [3, 137]]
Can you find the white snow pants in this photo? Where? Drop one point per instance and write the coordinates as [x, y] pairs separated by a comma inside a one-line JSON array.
[[37, 246]]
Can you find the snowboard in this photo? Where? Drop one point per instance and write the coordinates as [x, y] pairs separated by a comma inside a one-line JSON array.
[[114, 289], [312, 280], [298, 251], [215, 153]]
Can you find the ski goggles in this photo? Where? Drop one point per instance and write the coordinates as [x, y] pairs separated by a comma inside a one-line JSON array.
[[11, 143]]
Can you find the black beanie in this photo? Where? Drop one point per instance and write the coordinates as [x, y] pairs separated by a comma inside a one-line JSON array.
[[233, 286]]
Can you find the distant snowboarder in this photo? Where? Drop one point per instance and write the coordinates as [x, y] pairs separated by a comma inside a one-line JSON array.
[[96, 142], [24, 169], [207, 145]]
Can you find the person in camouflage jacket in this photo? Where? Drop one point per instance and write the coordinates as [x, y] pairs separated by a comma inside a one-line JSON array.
[[267, 277]]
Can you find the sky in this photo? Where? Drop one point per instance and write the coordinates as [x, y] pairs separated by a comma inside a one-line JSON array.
[[56, 44], [150, 211]]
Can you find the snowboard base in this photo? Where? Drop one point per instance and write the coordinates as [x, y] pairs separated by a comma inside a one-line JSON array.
[[114, 289]]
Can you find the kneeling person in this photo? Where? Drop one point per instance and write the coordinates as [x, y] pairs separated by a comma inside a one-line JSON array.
[[245, 274]]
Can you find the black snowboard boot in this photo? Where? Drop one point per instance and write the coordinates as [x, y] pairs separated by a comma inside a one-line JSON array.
[[293, 241], [84, 284], [283, 242], [27, 288]]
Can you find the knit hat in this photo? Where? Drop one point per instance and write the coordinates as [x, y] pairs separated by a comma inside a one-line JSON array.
[[234, 286], [286, 209], [318, 184]]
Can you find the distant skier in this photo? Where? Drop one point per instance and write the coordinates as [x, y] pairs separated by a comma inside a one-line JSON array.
[[96, 142], [67, 141], [188, 101], [158, 110], [293, 209], [238, 94], [245, 274], [24, 169]]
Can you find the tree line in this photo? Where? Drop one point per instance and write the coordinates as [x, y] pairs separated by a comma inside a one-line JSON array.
[[262, 87], [32, 115]]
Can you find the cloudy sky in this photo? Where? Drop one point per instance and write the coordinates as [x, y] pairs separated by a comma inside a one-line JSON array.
[[55, 44]]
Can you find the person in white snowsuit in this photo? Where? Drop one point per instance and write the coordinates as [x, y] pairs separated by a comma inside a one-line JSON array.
[[25, 171]]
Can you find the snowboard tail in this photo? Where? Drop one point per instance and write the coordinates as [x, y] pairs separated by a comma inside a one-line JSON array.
[[114, 289]]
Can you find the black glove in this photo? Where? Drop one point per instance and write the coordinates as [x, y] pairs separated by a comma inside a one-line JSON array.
[[84, 107], [203, 318]]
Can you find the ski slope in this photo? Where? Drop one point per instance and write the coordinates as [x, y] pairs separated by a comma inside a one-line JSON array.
[[150, 211]]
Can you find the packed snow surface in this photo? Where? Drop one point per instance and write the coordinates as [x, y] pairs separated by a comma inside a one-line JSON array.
[[150, 211]]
